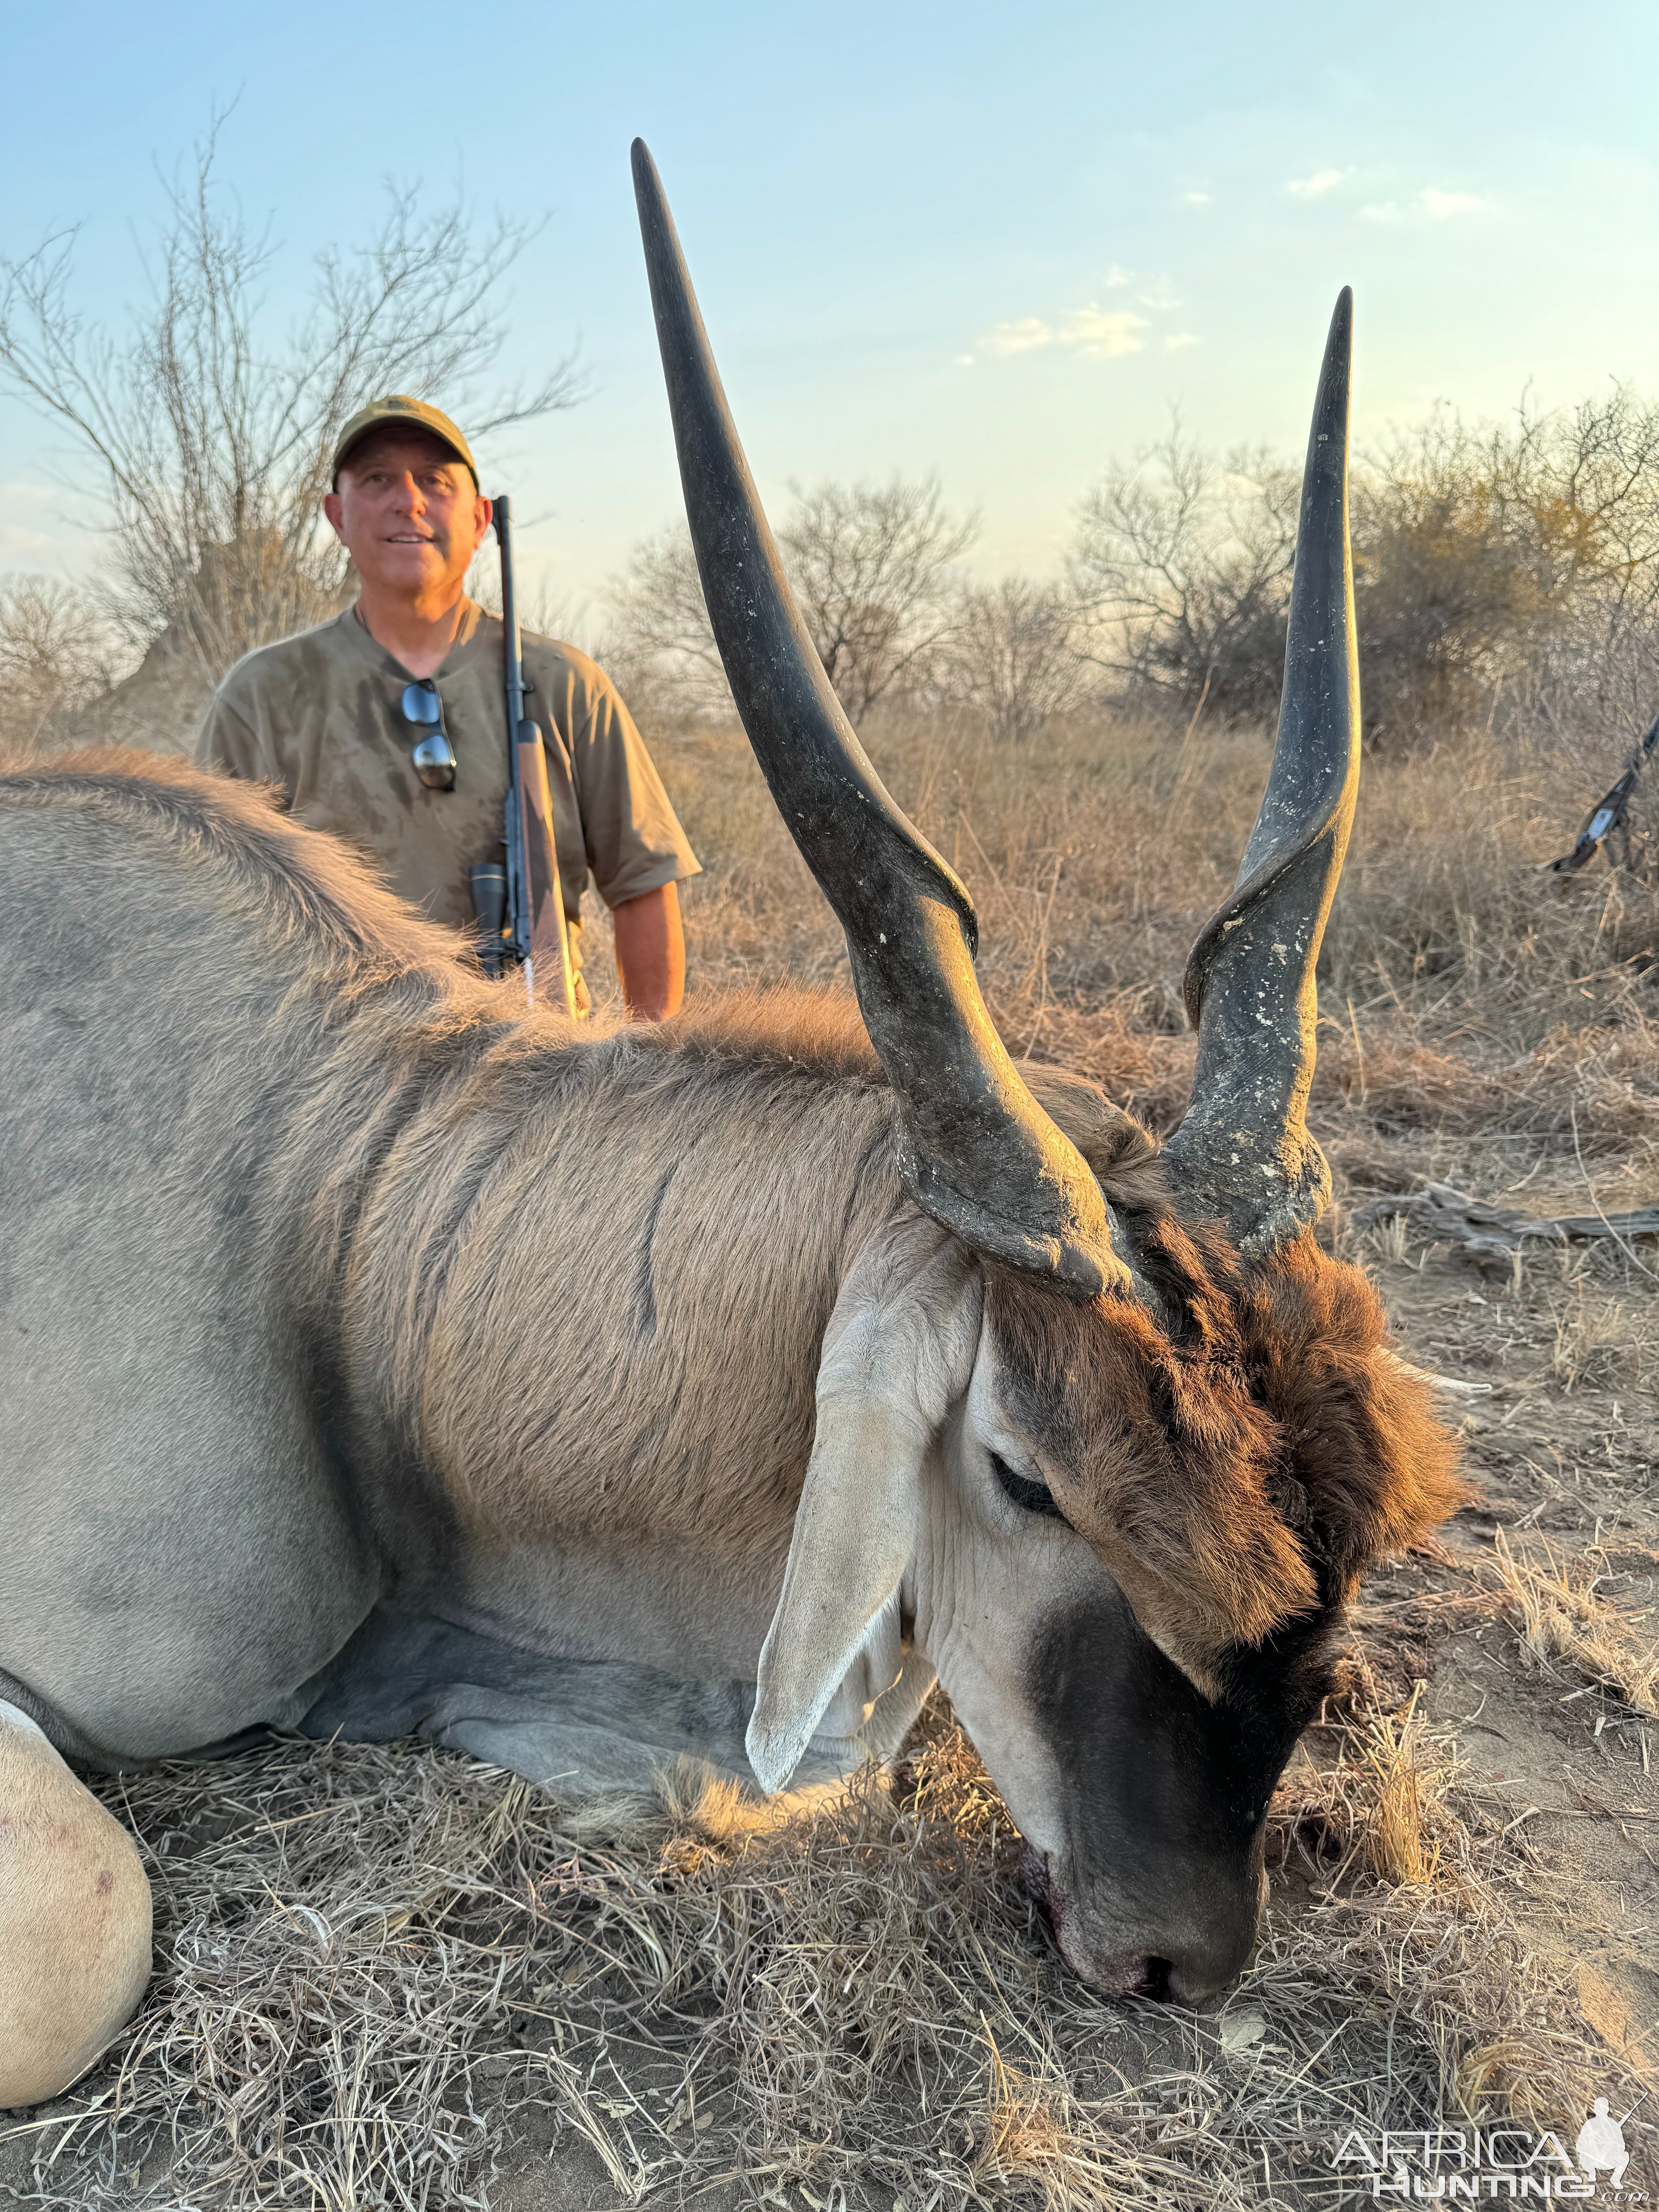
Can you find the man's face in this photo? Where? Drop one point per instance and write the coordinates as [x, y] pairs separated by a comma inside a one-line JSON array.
[[409, 514]]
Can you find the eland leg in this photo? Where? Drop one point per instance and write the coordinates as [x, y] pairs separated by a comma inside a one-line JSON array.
[[74, 1919]]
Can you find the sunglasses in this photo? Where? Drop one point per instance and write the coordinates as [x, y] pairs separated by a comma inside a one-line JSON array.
[[433, 755]]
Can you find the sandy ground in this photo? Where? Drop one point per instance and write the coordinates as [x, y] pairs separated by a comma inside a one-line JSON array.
[[1576, 1468]]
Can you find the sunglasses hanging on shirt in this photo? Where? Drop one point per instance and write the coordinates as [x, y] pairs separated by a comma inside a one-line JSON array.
[[433, 755]]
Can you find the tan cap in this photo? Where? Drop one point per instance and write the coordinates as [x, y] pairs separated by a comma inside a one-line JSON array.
[[399, 411]]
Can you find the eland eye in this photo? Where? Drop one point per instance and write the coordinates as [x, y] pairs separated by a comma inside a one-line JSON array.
[[1030, 1496]]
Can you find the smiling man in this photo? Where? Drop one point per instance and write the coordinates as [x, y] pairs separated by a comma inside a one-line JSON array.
[[321, 714]]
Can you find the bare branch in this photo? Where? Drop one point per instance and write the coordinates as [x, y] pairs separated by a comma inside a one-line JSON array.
[[1012, 658], [1517, 566], [213, 446], [873, 572], [55, 654]]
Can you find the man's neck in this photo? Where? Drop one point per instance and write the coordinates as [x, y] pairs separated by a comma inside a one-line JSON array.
[[417, 634]]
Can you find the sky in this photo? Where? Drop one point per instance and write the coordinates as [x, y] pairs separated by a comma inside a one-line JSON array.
[[998, 244]]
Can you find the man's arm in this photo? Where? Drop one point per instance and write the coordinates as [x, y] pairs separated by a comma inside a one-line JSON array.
[[651, 953], [636, 849]]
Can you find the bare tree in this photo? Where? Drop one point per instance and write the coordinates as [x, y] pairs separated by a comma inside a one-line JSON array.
[[658, 645], [211, 446], [874, 568], [1013, 656], [55, 654], [1516, 565], [1183, 558], [873, 572], [1513, 568]]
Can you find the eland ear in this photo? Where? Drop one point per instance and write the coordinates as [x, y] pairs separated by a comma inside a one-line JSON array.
[[897, 1354]]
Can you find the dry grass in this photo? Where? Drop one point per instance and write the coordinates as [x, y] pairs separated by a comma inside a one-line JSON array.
[[1414, 1868], [1404, 1782], [1552, 1604], [370, 1958], [1466, 997], [1591, 1344], [1572, 1320]]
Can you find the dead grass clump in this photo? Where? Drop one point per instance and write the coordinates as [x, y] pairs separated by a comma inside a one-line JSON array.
[[1553, 1606], [1581, 1088], [370, 1958], [1034, 2141], [320, 2003], [1383, 1804], [1413, 1872], [1408, 1784], [1593, 1341]]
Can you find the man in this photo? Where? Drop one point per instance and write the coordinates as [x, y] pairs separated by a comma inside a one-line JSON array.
[[321, 714]]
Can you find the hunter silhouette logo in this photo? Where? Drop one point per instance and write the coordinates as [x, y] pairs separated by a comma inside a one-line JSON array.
[[1600, 2144]]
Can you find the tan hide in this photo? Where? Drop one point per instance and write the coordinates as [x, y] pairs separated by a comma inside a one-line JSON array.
[[74, 1919]]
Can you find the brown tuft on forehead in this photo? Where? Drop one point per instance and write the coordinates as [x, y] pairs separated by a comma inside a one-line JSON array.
[[1375, 1467], [1239, 1464]]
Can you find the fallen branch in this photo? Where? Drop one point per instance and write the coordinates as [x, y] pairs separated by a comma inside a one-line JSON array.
[[1489, 1236]]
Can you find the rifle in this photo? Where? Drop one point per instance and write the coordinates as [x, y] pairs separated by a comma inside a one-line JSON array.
[[526, 894], [1610, 814]]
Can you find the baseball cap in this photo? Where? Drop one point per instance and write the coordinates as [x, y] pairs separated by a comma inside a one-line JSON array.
[[398, 411]]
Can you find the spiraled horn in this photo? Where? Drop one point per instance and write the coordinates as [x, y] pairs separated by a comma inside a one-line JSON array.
[[976, 1150], [1244, 1146]]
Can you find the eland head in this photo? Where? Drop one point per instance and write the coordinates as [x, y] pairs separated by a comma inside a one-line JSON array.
[[1099, 1427]]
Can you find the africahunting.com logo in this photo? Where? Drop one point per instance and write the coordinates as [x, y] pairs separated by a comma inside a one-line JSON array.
[[1473, 2165]]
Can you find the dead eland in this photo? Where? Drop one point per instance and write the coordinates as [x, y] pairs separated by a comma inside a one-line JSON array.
[[377, 1357]]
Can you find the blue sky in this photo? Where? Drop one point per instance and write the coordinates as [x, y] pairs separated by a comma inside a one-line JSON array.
[[997, 243]]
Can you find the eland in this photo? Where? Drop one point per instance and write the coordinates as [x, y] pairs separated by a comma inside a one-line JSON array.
[[379, 1358]]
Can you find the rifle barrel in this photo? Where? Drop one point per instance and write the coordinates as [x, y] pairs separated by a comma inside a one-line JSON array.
[[512, 640], [518, 891], [535, 899]]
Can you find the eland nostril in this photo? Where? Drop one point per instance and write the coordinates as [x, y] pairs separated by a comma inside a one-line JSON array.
[[1185, 1974], [1127, 1974], [1193, 1962], [1192, 1983], [1156, 1974], [1148, 1974]]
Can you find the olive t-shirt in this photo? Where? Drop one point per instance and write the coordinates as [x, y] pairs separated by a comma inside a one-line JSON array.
[[319, 714]]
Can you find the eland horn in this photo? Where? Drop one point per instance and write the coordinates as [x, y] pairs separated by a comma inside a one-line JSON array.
[[1244, 1150], [975, 1148]]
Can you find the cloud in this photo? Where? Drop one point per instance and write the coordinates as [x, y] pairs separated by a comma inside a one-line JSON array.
[[1444, 205], [1025, 336], [1313, 187], [1196, 199], [1176, 339], [1116, 276], [1096, 331], [1437, 206]]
